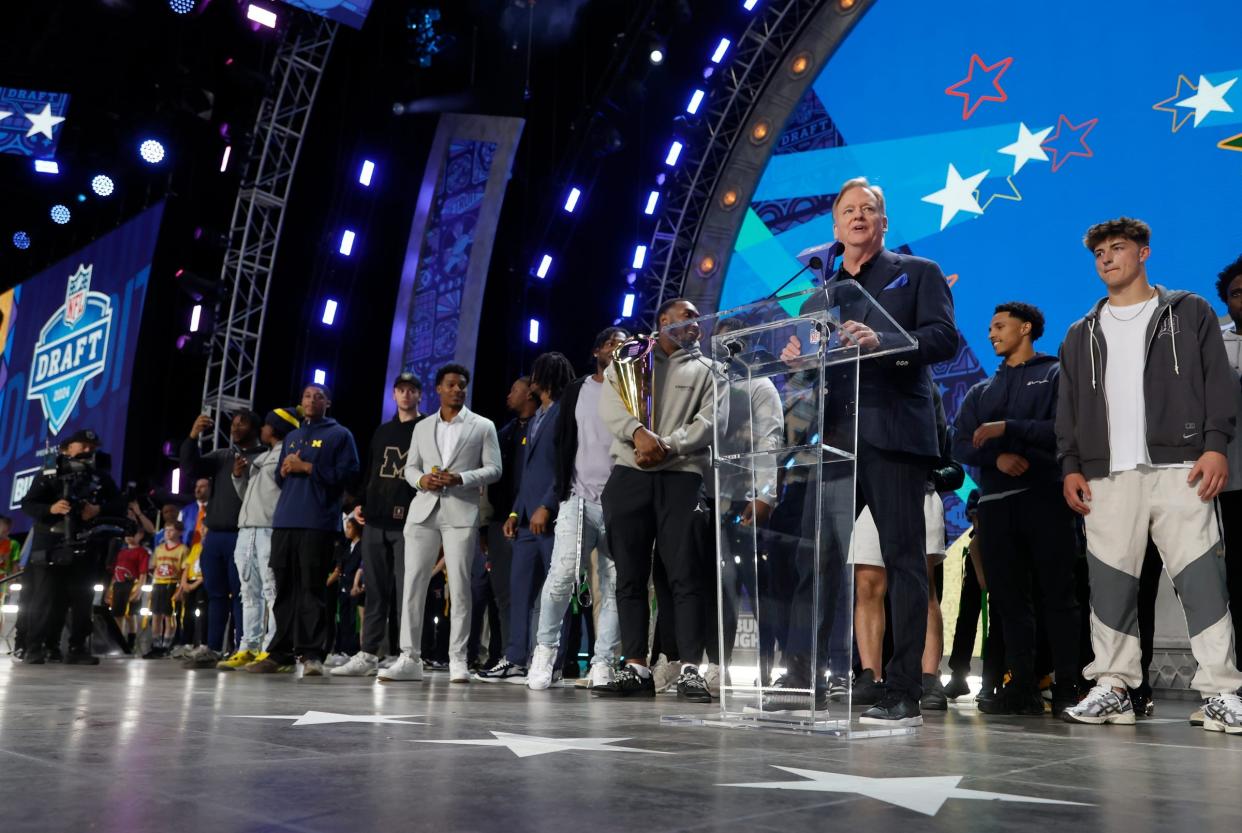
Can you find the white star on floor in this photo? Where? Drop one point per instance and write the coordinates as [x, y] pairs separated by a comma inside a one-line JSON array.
[[958, 194], [1208, 99], [1027, 148], [524, 746], [43, 122], [923, 795], [319, 718]]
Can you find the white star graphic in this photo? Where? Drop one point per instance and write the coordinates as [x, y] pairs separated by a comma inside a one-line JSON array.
[[43, 122], [923, 795], [957, 195], [313, 718], [524, 746], [1208, 99], [4, 114], [1027, 148]]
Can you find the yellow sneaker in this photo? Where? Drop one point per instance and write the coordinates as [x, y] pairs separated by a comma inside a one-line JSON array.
[[237, 660]]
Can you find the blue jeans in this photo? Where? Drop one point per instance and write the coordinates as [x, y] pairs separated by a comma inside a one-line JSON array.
[[220, 579], [252, 559], [580, 529], [531, 556]]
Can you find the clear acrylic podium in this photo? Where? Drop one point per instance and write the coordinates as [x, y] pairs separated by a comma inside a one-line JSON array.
[[784, 462]]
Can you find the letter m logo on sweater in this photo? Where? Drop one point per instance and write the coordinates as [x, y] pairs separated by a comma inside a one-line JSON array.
[[393, 463]]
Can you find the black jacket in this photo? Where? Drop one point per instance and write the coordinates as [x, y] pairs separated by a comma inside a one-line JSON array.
[[224, 505], [47, 490], [567, 438], [384, 493], [947, 475], [1025, 398], [503, 492]]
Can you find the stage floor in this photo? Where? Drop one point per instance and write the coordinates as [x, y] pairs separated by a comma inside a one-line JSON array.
[[144, 746]]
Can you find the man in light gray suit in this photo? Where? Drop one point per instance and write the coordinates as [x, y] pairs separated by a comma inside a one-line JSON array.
[[453, 455]]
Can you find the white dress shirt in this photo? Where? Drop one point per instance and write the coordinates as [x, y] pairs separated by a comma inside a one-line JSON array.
[[447, 436]]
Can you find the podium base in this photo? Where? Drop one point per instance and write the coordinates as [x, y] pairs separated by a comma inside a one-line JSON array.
[[841, 728]]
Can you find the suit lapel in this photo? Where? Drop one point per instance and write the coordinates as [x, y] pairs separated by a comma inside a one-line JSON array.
[[887, 267], [467, 429]]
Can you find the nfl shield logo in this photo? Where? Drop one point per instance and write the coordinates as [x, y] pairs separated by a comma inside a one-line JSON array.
[[75, 294]]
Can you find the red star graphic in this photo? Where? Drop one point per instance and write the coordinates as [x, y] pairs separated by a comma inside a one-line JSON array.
[[1060, 156], [968, 109]]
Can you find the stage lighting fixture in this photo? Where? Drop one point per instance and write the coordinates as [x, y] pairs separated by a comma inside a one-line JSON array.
[[368, 169], [224, 159], [151, 151], [329, 312], [182, 341], [176, 487], [729, 198], [627, 306], [98, 588], [721, 49], [181, 6], [320, 376], [103, 185], [16, 588], [674, 153], [695, 102], [652, 199], [545, 263], [196, 317], [656, 55], [749, 5], [640, 256], [81, 198], [21, 240], [533, 334], [60, 214], [571, 202], [261, 16], [47, 166], [347, 243]]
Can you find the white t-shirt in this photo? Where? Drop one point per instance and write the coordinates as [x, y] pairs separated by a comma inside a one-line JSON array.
[[1125, 334], [593, 462]]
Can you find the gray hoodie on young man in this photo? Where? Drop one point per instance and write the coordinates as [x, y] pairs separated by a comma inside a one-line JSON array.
[[1190, 391]]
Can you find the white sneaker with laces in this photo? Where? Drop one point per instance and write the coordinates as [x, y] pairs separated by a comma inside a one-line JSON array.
[[310, 668], [664, 674], [389, 660], [539, 676], [405, 670], [459, 672], [1223, 713], [360, 664], [601, 674], [336, 660], [1101, 705], [712, 678]]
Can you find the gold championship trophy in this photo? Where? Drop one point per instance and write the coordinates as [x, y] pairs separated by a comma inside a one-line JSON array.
[[634, 379]]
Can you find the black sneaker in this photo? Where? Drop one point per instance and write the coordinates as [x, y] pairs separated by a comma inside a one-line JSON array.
[[867, 691], [1014, 700], [54, 655], [1141, 700], [934, 696], [894, 709], [35, 657], [778, 700], [957, 687], [156, 653], [628, 683], [81, 658], [691, 686]]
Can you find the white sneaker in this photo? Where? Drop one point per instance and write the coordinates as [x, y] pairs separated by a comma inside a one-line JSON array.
[[310, 668], [360, 664], [712, 678], [601, 674], [405, 669], [1223, 714], [336, 660], [539, 675], [459, 672], [387, 661], [664, 674]]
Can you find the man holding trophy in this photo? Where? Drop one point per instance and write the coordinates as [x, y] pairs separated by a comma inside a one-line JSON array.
[[659, 407]]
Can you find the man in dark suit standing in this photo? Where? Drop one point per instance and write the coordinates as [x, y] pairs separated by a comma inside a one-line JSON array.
[[896, 444]]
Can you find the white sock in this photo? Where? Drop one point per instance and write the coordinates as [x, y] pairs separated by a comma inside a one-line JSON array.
[[687, 666]]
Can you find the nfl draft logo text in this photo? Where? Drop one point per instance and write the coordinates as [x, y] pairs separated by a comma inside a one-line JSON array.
[[72, 349]]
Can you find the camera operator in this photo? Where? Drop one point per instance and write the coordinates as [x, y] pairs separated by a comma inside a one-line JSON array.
[[68, 503]]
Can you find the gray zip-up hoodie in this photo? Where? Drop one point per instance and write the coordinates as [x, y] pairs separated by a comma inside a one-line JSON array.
[[258, 490], [687, 400], [1190, 392]]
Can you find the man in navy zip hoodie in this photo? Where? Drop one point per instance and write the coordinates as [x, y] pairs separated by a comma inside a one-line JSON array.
[[1146, 408], [316, 462], [1005, 428]]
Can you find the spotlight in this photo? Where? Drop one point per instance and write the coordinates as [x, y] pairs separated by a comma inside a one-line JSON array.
[[652, 199], [224, 159], [320, 376], [749, 5], [533, 334], [695, 102], [60, 214], [196, 316], [47, 166], [21, 240], [627, 306], [721, 49], [545, 263], [15, 587], [103, 185], [176, 487], [571, 202], [656, 56], [329, 312], [640, 256], [347, 243], [674, 153], [151, 151], [144, 611], [368, 169], [181, 6], [98, 588], [261, 16]]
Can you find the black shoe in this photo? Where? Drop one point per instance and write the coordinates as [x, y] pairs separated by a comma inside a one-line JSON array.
[[156, 653], [19, 653], [130, 641], [1013, 700], [54, 655], [81, 658], [1140, 699], [691, 686], [934, 696], [777, 700], [867, 692], [894, 709], [1064, 697], [33, 657], [627, 683], [957, 687]]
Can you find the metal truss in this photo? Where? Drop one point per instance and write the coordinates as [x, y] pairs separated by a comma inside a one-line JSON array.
[[758, 54], [258, 217]]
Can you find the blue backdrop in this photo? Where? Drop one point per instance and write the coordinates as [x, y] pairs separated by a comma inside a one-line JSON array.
[[69, 336]]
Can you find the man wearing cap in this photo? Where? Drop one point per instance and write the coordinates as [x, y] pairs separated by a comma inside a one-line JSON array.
[[220, 539], [383, 501], [255, 482], [316, 462], [62, 503]]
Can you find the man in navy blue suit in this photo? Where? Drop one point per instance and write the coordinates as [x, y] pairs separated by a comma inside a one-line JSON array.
[[529, 525], [896, 446]]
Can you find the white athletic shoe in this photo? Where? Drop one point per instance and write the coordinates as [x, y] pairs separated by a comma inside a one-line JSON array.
[[389, 660], [601, 674], [360, 664], [1223, 714], [459, 672], [310, 668], [1101, 705], [336, 660], [539, 675], [405, 669], [712, 678], [665, 674]]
